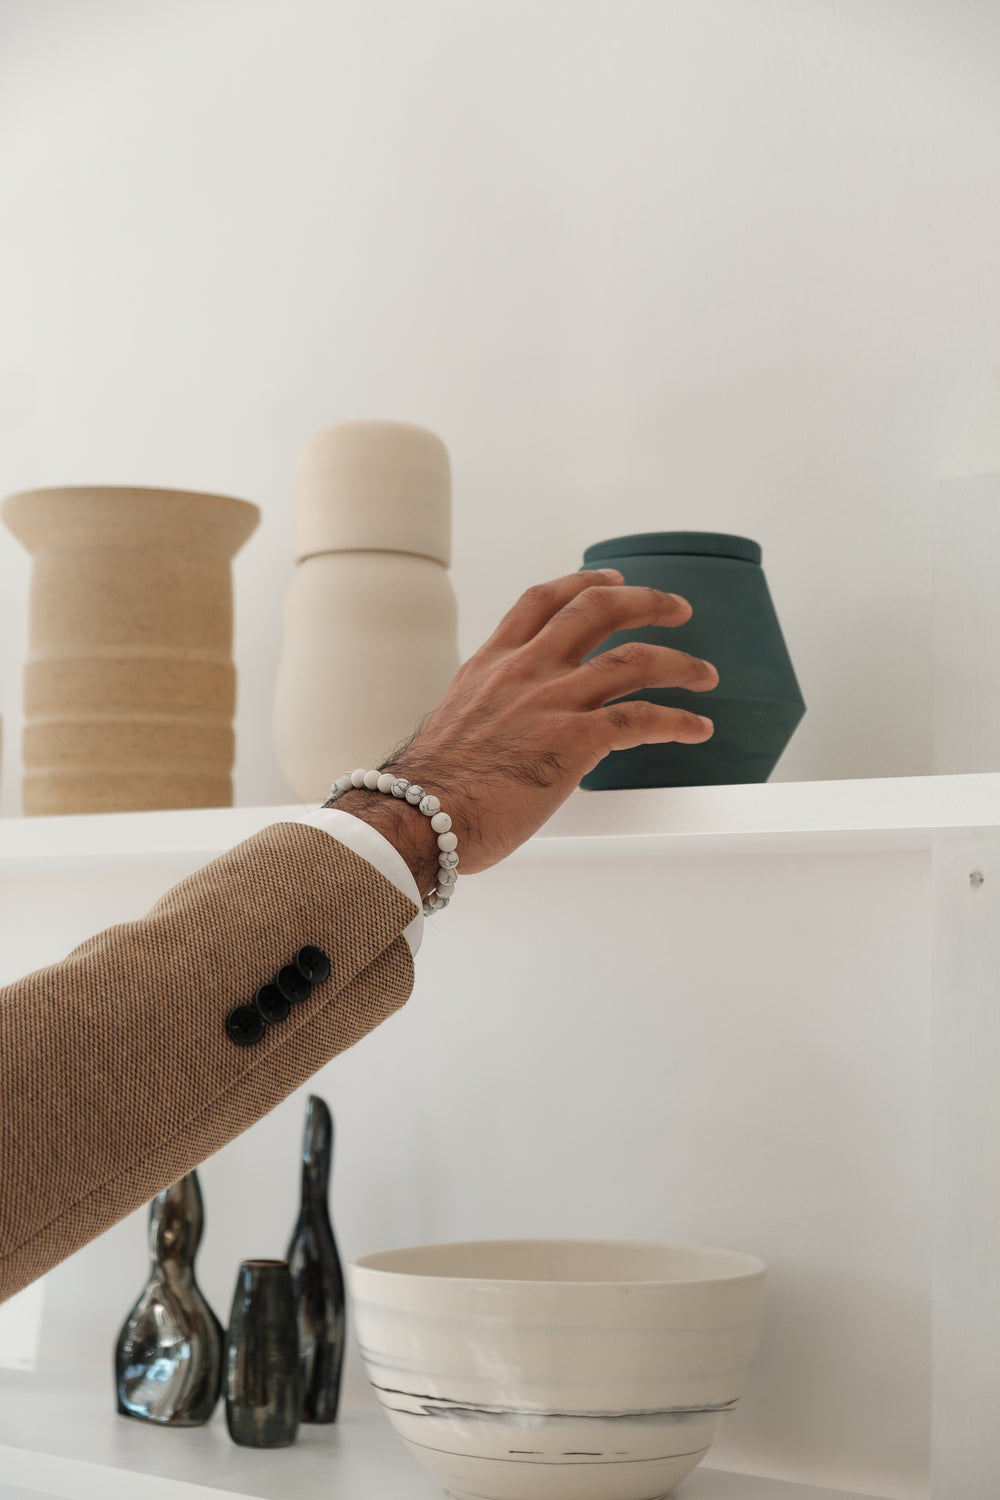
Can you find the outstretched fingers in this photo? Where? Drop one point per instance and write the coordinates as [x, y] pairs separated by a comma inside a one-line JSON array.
[[537, 606], [632, 666], [584, 622], [625, 725]]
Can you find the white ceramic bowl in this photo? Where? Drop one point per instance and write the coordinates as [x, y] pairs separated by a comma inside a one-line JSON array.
[[558, 1369]]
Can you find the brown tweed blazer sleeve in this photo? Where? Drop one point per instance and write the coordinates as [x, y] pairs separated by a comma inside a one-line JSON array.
[[117, 1075]]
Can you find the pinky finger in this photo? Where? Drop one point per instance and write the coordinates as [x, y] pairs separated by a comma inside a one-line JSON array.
[[636, 722]]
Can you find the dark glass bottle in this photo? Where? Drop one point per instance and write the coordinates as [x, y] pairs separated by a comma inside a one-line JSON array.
[[168, 1359], [317, 1275], [262, 1358]]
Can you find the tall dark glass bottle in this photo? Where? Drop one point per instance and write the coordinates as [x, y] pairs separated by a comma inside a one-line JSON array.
[[317, 1275], [168, 1359]]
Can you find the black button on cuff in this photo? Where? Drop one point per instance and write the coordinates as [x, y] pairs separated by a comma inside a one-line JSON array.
[[271, 1003], [245, 1026], [293, 985], [313, 964]]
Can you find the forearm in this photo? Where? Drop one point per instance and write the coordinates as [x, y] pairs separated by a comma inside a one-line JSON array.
[[117, 1071]]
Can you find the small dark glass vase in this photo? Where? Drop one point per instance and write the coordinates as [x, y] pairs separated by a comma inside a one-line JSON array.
[[168, 1359], [317, 1275], [262, 1358]]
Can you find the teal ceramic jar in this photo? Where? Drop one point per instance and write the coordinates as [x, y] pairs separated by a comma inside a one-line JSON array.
[[757, 704]]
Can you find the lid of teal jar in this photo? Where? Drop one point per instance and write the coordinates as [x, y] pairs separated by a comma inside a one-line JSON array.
[[701, 543]]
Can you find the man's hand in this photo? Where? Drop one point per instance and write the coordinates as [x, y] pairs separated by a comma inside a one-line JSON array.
[[525, 718]]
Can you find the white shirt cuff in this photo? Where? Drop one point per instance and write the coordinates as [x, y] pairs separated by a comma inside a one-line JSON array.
[[377, 850]]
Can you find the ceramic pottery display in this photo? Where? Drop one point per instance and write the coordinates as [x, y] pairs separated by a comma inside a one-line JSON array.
[[168, 1358], [757, 704], [370, 639], [130, 688], [558, 1369], [317, 1276], [262, 1358]]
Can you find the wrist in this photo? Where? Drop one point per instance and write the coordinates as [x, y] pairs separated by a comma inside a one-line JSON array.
[[407, 830]]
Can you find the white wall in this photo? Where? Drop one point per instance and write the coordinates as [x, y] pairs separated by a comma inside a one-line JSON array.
[[642, 263]]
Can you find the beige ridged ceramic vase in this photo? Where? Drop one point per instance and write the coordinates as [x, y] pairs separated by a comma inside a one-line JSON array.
[[370, 638], [129, 688]]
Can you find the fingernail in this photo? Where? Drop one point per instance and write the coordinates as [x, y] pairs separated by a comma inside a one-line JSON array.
[[679, 599], [612, 573], [707, 722]]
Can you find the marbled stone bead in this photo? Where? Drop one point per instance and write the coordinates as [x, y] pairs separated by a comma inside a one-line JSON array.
[[448, 860], [385, 781], [399, 786], [343, 783], [430, 805], [447, 877], [414, 793], [440, 822], [372, 780], [447, 842], [358, 778]]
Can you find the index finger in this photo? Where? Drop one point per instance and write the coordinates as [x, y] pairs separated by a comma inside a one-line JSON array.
[[538, 604], [589, 618]]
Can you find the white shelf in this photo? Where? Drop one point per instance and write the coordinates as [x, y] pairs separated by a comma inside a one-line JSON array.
[[904, 812], [60, 1434], [911, 812]]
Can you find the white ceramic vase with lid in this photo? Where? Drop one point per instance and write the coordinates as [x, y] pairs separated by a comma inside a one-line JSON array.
[[371, 629]]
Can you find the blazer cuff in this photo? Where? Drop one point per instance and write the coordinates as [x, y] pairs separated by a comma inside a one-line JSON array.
[[374, 847]]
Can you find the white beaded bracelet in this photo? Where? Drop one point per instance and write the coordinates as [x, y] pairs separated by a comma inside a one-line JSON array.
[[398, 786]]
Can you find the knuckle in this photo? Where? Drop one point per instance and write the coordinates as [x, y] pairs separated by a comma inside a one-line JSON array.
[[640, 654], [588, 603], [630, 654], [576, 612], [542, 596], [510, 668], [645, 714], [619, 718]]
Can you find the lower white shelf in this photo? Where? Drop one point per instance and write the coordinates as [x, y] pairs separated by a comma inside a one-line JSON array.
[[60, 1436]]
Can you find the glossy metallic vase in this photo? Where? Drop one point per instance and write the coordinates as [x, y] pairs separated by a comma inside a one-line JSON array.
[[262, 1358], [317, 1275], [756, 706], [168, 1359]]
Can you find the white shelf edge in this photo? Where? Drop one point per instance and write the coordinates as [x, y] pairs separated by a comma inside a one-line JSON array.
[[810, 816], [72, 1479], [909, 811], [69, 1443]]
